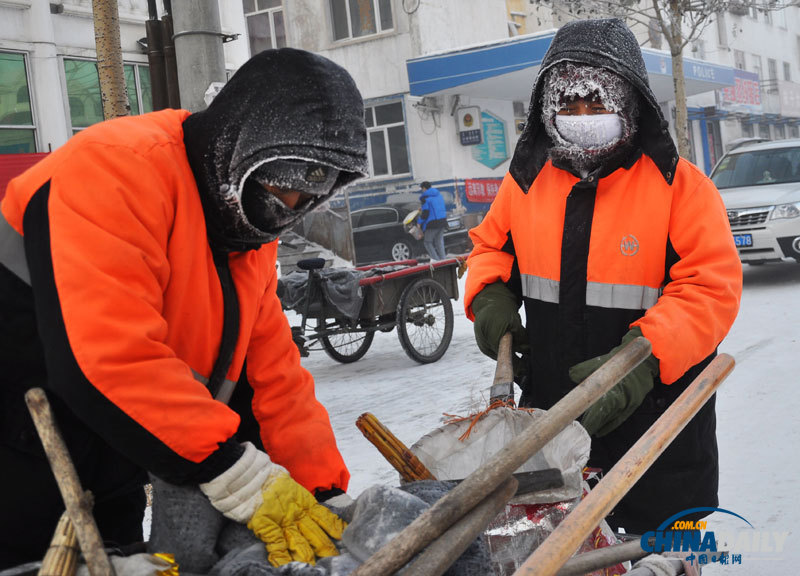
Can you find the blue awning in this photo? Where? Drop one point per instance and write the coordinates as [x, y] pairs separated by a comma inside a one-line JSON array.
[[506, 70]]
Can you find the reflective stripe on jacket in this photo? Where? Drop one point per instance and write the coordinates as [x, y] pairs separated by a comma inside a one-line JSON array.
[[636, 220], [125, 282]]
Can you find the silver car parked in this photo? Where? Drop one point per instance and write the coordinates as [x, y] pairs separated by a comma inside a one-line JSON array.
[[760, 186]]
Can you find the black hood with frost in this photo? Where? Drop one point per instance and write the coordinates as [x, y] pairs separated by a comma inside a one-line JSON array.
[[605, 43], [281, 104]]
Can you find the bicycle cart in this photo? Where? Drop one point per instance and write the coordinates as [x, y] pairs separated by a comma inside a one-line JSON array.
[[410, 296]]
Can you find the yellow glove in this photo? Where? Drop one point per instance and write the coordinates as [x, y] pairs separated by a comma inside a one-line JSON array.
[[284, 515], [293, 524]]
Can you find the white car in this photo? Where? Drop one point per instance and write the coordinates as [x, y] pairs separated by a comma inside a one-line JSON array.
[[760, 186]]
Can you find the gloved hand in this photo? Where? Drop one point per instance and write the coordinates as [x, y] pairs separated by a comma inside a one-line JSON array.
[[496, 311], [283, 514], [616, 405]]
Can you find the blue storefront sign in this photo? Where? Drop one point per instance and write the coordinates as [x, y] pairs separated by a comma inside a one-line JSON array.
[[493, 151]]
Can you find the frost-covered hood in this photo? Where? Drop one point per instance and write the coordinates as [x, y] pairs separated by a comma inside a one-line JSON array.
[[761, 195], [605, 43], [287, 104]]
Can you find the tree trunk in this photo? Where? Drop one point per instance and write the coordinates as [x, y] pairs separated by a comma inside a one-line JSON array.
[[109, 59], [681, 114], [678, 80]]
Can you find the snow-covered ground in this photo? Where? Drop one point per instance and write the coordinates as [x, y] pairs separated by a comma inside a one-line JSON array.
[[757, 408]]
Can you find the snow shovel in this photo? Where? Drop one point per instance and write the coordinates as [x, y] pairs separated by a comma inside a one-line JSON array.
[[565, 539], [77, 502], [486, 479]]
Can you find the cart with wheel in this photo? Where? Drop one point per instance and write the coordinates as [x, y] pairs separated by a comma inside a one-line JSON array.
[[412, 297]]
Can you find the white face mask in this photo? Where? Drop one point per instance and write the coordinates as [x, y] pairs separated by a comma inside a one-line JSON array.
[[589, 130]]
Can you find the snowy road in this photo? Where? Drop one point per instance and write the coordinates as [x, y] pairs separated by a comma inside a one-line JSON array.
[[757, 409]]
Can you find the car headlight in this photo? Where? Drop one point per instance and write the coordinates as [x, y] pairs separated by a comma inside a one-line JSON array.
[[786, 211]]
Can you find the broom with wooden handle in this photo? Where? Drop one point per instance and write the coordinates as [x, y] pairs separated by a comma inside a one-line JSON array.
[[77, 503]]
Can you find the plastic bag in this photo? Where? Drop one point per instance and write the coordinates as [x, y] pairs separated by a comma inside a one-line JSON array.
[[516, 532], [448, 457]]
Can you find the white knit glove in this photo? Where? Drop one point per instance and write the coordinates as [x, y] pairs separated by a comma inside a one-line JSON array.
[[237, 491]]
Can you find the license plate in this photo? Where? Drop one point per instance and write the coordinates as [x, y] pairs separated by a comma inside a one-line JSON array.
[[743, 240]]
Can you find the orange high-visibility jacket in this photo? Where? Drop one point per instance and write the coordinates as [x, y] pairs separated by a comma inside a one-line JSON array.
[[638, 220], [593, 257], [121, 265]]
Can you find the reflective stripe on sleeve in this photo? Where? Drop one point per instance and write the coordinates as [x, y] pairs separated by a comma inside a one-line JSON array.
[[12, 251], [620, 296], [225, 391]]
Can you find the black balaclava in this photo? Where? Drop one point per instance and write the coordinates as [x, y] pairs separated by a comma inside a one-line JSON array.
[[289, 119], [568, 81]]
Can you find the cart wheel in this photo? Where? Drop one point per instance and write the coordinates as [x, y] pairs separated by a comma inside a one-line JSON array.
[[425, 320], [348, 346]]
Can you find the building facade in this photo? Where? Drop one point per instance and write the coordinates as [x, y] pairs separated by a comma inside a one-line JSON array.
[[446, 84]]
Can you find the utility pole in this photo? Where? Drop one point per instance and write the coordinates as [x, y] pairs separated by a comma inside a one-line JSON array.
[[109, 59], [198, 49]]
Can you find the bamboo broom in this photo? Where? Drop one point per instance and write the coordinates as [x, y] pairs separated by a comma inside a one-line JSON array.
[[61, 558], [395, 452]]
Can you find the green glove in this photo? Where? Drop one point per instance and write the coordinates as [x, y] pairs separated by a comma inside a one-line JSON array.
[[496, 311], [616, 405]]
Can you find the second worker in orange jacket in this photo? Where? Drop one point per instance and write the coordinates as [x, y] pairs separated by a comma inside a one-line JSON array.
[[605, 234]]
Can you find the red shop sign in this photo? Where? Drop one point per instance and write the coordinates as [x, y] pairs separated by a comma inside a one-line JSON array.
[[483, 190]]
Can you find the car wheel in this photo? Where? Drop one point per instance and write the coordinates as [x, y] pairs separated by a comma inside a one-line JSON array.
[[401, 251]]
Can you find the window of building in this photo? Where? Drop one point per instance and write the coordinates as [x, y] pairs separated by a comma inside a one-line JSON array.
[[386, 132], [356, 18], [722, 33], [780, 132], [747, 129], [265, 26], [772, 68], [699, 49], [779, 13], [763, 131], [714, 141], [754, 11], [757, 65], [738, 60], [17, 131], [787, 72], [794, 131], [83, 91]]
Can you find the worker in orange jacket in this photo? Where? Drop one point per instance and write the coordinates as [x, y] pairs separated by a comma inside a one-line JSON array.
[[605, 234], [138, 274]]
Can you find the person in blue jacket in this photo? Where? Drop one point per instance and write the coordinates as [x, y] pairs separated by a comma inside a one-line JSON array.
[[433, 220]]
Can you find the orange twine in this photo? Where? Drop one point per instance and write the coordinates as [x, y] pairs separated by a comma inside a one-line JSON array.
[[453, 418]]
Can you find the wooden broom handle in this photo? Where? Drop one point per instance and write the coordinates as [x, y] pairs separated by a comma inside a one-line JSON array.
[[77, 503], [466, 495], [568, 535]]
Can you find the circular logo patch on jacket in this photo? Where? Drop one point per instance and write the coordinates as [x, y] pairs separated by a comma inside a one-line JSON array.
[[629, 245]]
